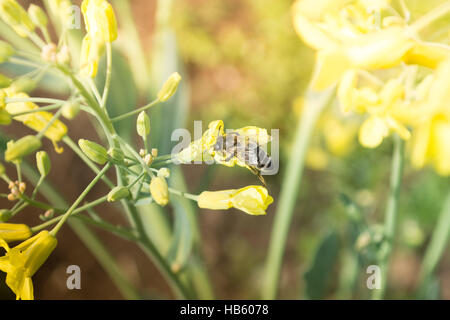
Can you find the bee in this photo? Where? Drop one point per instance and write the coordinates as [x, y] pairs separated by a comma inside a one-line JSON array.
[[245, 151]]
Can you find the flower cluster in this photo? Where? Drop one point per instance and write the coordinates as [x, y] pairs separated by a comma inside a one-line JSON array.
[[141, 176], [384, 72]]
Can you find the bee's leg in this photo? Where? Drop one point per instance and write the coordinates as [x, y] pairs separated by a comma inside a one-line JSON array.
[[258, 174]]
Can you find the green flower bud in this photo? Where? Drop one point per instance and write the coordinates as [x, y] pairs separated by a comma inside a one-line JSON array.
[[38, 16], [118, 193], [5, 117], [16, 150], [143, 124], [70, 110], [6, 51], [43, 163], [23, 85], [5, 215], [93, 151], [4, 81], [170, 87], [116, 155]]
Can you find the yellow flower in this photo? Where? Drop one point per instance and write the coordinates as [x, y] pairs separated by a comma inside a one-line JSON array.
[[253, 200], [16, 17], [159, 191], [21, 262], [91, 51], [203, 149], [346, 36], [36, 120], [382, 108], [14, 232], [100, 20], [431, 143]]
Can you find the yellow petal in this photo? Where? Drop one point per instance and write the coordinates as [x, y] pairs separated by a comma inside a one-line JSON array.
[[372, 132], [330, 67]]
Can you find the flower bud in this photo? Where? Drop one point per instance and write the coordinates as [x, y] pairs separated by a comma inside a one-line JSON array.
[[43, 163], [48, 52], [170, 87], [38, 16], [23, 85], [6, 51], [5, 117], [16, 17], [164, 173], [93, 151], [5, 215], [116, 155], [159, 191], [70, 110], [118, 193], [143, 124], [100, 19], [14, 232], [4, 81], [16, 150]]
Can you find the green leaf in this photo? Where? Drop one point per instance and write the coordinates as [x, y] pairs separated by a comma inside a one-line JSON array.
[[318, 276], [123, 95], [181, 247]]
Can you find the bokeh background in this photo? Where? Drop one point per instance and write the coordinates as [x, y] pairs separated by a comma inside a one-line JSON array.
[[243, 63]]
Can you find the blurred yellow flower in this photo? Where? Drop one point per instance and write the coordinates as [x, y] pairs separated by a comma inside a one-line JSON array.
[[346, 35], [36, 120], [21, 262], [14, 232], [253, 200], [431, 134], [91, 51]]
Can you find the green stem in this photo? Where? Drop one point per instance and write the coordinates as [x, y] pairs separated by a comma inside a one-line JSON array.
[[46, 108], [316, 102], [184, 194], [391, 214], [439, 240], [49, 124], [108, 74], [132, 113], [97, 248], [80, 198]]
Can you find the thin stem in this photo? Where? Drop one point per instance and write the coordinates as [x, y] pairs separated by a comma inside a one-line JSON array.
[[69, 142], [316, 102], [50, 222], [430, 17], [46, 108], [184, 194], [132, 113], [108, 74], [26, 63], [36, 188], [80, 198], [439, 240], [35, 100], [49, 124], [391, 215]]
